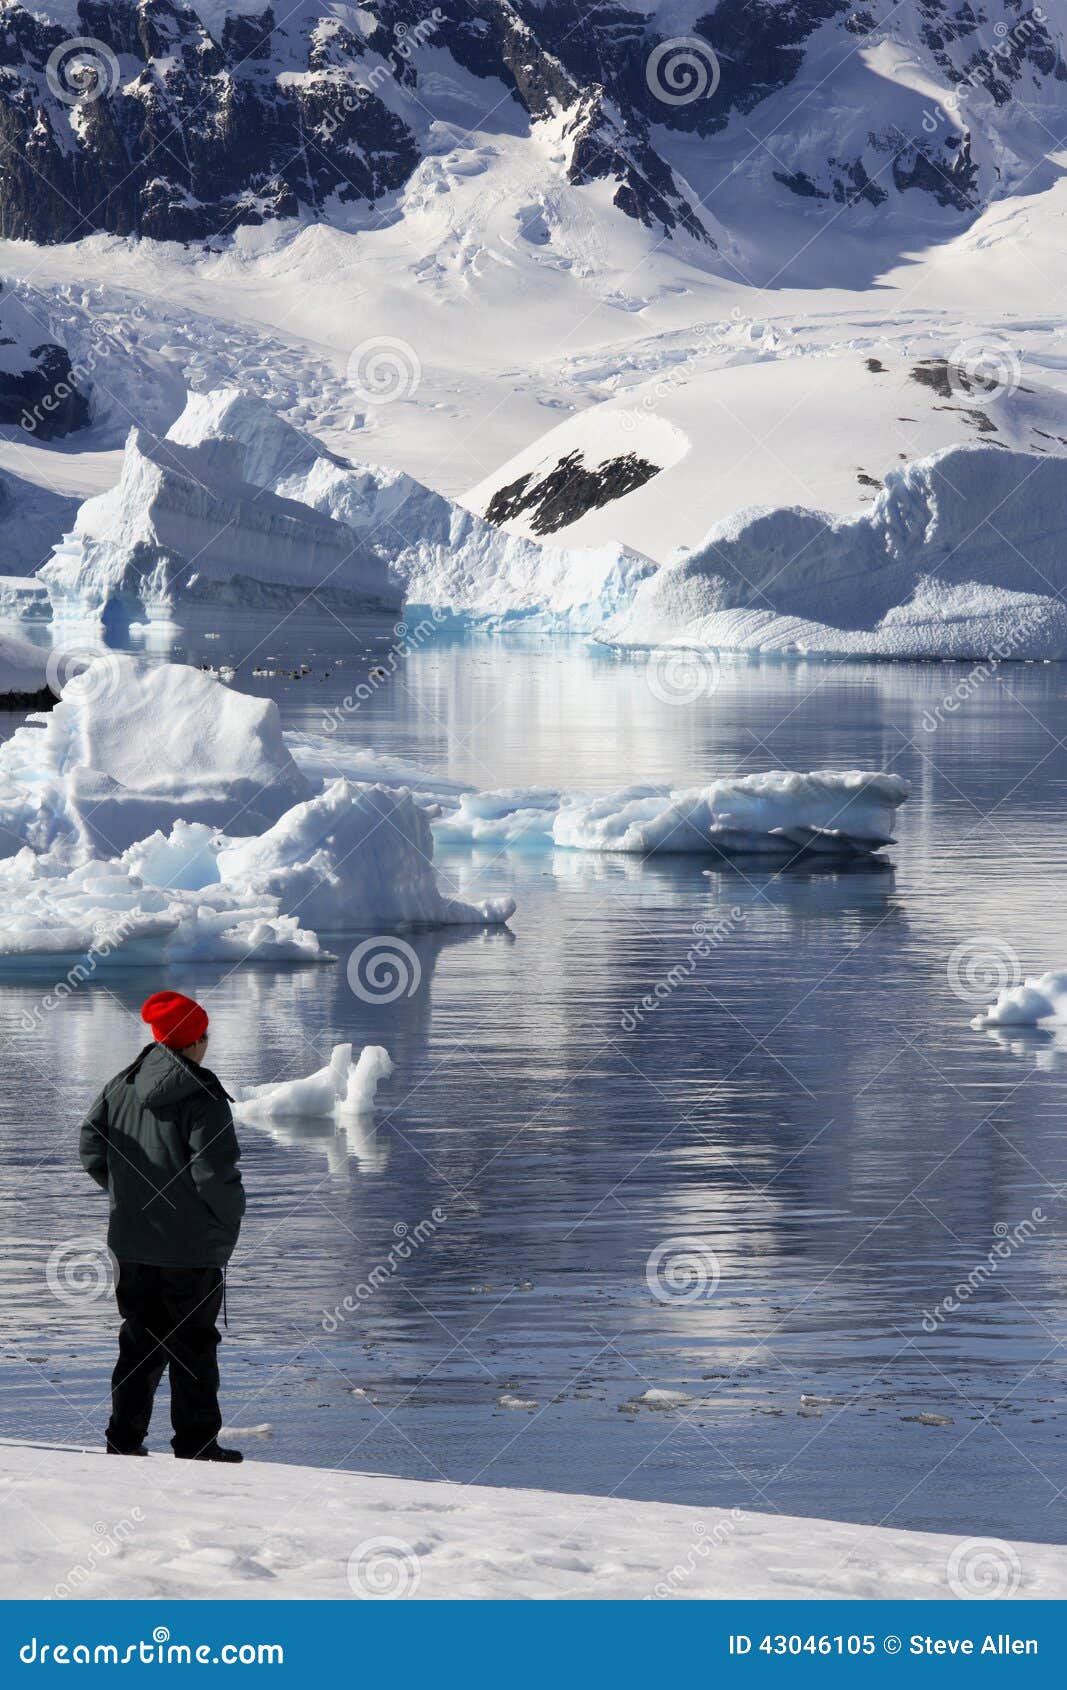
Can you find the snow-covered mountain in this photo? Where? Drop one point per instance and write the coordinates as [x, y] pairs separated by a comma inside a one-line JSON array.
[[184, 122]]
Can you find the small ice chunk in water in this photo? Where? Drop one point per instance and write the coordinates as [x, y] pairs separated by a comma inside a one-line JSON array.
[[1042, 998], [341, 1088]]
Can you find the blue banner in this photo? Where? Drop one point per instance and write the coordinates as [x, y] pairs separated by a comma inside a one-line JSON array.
[[519, 1644]]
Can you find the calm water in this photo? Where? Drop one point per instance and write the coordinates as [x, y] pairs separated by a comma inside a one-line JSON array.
[[809, 1102]]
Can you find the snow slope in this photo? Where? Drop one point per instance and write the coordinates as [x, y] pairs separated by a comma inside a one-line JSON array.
[[23, 669], [81, 1525]]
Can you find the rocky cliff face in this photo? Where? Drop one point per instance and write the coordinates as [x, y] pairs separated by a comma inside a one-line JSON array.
[[136, 118], [39, 390]]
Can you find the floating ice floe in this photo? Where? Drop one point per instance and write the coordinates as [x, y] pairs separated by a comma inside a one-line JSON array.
[[341, 1088], [831, 812], [1037, 1001], [124, 816]]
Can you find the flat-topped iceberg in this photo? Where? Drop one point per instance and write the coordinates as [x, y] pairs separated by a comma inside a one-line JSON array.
[[828, 812], [234, 504], [962, 554]]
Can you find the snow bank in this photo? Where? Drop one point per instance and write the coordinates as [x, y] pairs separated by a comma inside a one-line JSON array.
[[962, 554], [1041, 999], [235, 502], [341, 1088], [827, 812], [354, 857], [264, 1530]]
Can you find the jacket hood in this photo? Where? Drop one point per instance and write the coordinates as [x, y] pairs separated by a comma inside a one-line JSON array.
[[161, 1078]]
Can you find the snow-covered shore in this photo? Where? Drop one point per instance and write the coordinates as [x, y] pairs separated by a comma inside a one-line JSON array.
[[78, 1524]]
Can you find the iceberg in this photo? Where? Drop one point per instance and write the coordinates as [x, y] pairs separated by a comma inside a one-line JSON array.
[[1038, 1000], [156, 814], [828, 812], [961, 555], [235, 504], [342, 1088], [183, 523], [353, 858], [23, 673], [133, 746]]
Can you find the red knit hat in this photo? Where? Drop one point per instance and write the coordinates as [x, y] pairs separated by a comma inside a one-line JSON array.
[[175, 1021]]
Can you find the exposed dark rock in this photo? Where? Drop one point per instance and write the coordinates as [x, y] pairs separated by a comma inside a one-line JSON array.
[[569, 490]]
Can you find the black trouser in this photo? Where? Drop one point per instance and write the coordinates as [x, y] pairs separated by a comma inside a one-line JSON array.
[[168, 1318]]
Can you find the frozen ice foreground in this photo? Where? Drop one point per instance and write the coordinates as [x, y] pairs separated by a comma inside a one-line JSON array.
[[275, 1532]]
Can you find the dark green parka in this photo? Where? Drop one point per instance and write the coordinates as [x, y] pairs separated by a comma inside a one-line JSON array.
[[160, 1140]]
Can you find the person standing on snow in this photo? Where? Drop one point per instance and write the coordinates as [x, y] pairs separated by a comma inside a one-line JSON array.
[[160, 1141]]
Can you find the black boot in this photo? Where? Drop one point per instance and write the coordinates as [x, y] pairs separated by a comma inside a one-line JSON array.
[[115, 1449], [210, 1452]]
